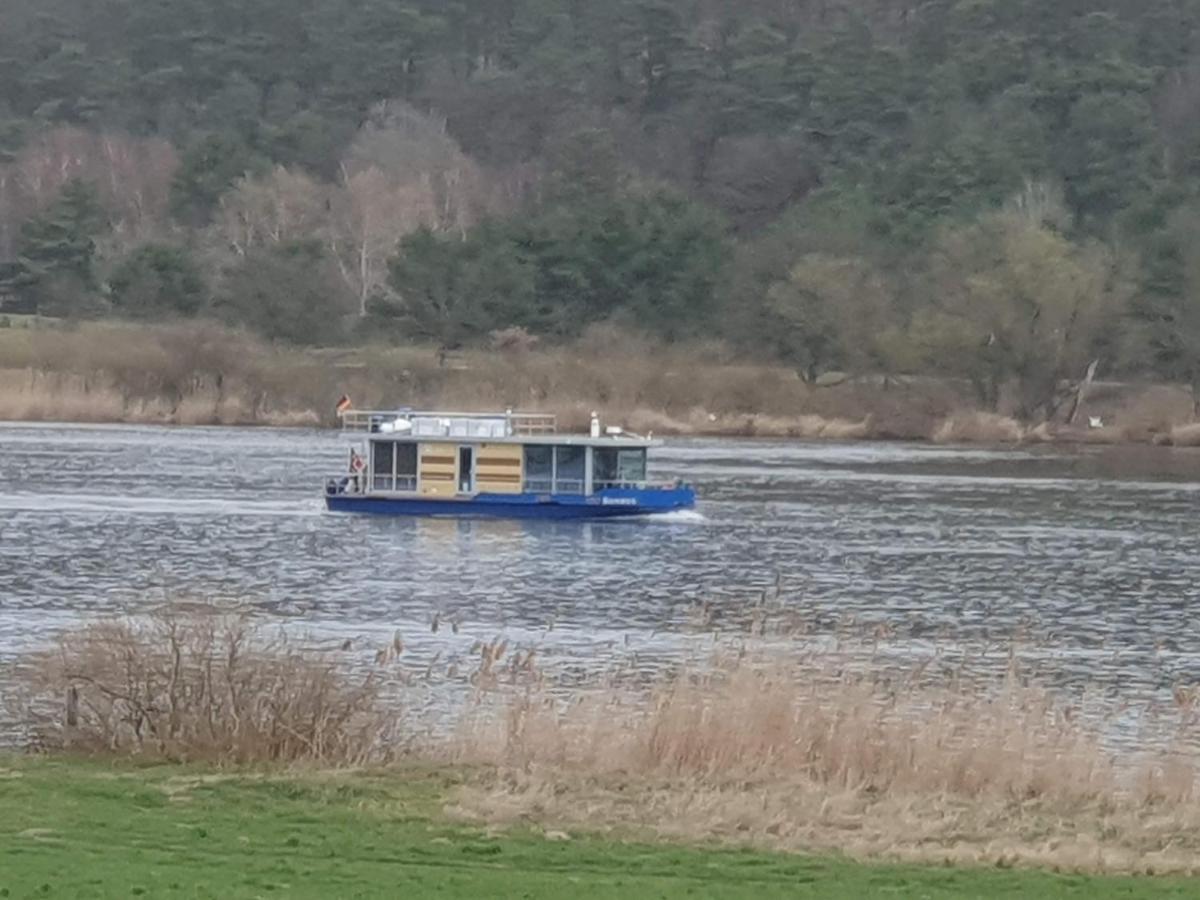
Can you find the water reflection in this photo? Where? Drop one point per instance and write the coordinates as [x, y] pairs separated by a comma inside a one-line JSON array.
[[1092, 556]]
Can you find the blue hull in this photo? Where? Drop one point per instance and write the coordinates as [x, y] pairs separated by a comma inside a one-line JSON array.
[[609, 504]]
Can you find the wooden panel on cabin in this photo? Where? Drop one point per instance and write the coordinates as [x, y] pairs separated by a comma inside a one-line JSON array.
[[439, 470], [498, 468]]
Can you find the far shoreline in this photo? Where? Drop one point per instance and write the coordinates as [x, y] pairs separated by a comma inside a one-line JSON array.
[[994, 433], [200, 374]]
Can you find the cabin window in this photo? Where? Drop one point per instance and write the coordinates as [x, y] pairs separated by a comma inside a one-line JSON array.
[[539, 468], [406, 467], [631, 467], [604, 467], [569, 465], [393, 466], [383, 464], [613, 467]]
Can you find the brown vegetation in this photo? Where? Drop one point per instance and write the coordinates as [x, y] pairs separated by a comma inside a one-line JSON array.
[[792, 756], [201, 687], [769, 745], [979, 428], [1186, 435], [205, 374], [201, 374]]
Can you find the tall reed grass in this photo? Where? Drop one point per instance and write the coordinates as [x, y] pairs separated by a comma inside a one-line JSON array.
[[771, 745], [795, 753], [761, 721]]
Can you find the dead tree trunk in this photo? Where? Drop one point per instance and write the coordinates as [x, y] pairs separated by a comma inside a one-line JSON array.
[[1081, 392]]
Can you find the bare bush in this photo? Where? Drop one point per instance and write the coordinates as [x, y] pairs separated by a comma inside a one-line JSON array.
[[513, 340], [978, 428], [1185, 435], [203, 687]]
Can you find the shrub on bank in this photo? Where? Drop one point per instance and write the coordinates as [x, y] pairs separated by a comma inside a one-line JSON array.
[[206, 687]]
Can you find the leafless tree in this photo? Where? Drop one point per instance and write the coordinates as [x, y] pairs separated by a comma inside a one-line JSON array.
[[402, 172], [132, 177], [278, 207]]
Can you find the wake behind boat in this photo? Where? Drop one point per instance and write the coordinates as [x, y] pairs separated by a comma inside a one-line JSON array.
[[508, 465]]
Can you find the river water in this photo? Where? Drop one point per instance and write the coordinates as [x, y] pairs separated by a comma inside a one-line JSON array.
[[1088, 559]]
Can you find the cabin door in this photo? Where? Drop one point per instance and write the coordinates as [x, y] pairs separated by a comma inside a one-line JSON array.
[[466, 470]]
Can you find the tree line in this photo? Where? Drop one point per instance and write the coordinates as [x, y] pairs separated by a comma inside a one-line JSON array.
[[1003, 191]]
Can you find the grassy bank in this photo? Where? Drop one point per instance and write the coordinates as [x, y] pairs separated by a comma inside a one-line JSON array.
[[778, 748], [87, 829], [203, 374]]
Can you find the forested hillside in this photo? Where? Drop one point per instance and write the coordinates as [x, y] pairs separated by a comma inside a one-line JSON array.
[[1001, 190]]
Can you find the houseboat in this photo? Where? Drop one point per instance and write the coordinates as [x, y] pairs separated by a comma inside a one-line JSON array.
[[509, 464]]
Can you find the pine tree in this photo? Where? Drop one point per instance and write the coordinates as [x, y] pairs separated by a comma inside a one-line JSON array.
[[61, 243]]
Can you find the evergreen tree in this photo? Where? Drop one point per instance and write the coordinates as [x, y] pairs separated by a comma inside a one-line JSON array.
[[157, 281], [208, 169], [288, 292], [449, 290], [57, 252], [591, 155]]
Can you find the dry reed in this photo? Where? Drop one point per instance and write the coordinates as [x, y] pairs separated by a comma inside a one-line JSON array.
[[764, 745], [200, 373], [742, 722], [798, 756], [1186, 435], [978, 428], [204, 374]]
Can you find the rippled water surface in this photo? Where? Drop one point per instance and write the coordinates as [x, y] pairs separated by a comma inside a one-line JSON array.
[[1093, 555]]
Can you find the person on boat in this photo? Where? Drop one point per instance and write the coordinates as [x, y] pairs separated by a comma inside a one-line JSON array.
[[357, 464]]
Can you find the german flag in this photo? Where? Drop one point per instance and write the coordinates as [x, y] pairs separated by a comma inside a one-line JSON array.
[[343, 404]]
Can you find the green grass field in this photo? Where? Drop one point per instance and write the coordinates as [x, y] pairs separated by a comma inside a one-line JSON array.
[[82, 829]]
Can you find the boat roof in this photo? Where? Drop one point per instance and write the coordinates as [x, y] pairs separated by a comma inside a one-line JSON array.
[[507, 427], [567, 440]]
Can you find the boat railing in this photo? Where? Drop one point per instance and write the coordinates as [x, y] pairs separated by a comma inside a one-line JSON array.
[[609, 485], [644, 485], [533, 423], [394, 484], [554, 486], [444, 423]]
